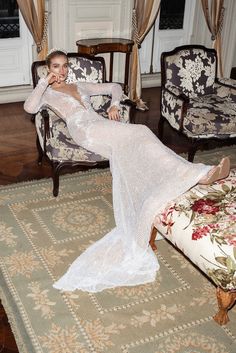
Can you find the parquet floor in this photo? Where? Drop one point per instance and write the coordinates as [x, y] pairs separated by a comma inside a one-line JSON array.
[[18, 162]]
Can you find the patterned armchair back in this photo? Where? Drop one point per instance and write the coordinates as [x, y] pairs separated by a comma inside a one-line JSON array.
[[191, 69], [84, 68], [81, 68]]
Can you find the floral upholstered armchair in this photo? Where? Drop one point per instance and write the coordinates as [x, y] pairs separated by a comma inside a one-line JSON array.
[[193, 100], [53, 139]]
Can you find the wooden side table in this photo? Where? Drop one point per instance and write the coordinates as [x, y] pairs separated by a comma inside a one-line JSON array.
[[108, 45]]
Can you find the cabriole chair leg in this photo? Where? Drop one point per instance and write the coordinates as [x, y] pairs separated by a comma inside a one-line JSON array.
[[161, 127], [191, 154], [192, 151], [225, 301], [55, 178]]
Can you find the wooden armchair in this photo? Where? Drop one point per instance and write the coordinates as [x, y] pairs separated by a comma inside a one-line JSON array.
[[53, 140], [193, 100]]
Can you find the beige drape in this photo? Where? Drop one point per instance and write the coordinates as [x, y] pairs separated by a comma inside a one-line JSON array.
[[214, 14], [33, 12], [144, 15]]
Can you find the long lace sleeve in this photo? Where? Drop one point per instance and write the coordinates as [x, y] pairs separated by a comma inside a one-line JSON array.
[[113, 89], [35, 99]]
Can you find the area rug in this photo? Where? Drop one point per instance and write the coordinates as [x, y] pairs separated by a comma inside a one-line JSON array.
[[213, 156], [41, 235]]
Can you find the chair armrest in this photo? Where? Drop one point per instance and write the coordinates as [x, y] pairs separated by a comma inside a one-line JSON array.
[[227, 82], [128, 102], [174, 107], [225, 90], [45, 114], [177, 93], [130, 107]]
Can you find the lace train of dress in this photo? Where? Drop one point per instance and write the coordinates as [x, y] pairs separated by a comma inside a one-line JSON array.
[[145, 175]]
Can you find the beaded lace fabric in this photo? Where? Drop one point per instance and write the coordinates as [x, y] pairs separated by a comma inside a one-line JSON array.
[[146, 175]]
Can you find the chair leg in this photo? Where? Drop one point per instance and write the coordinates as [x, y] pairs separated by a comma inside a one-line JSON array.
[[55, 178], [191, 152], [152, 238], [40, 151], [225, 302], [161, 127]]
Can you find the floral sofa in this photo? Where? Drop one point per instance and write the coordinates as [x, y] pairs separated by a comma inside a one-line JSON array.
[[53, 138], [193, 100], [202, 224]]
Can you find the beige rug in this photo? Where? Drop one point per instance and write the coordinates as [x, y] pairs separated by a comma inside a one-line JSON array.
[[214, 156], [41, 235]]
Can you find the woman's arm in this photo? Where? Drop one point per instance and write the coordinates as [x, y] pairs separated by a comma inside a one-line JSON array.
[[34, 102], [113, 89]]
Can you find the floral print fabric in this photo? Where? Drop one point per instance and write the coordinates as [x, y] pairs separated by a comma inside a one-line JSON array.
[[202, 224], [193, 70], [192, 100]]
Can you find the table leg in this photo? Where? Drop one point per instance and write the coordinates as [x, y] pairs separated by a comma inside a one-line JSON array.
[[111, 67], [126, 83]]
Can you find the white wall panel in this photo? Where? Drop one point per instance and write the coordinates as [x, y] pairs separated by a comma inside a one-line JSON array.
[[15, 58], [72, 20]]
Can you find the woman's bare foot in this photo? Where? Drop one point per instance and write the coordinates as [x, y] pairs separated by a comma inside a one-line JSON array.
[[218, 172]]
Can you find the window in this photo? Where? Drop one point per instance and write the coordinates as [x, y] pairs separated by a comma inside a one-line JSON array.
[[9, 19], [172, 14]]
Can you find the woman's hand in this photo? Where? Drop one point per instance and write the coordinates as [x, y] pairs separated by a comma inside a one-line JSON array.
[[53, 77], [113, 113]]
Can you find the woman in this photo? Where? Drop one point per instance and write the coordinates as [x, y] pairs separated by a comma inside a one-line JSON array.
[[146, 175]]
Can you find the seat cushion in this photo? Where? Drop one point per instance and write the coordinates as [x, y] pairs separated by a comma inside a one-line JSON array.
[[210, 116], [60, 146], [202, 224]]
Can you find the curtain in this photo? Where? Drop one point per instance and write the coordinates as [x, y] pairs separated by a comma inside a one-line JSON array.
[[143, 17], [214, 14], [33, 12]]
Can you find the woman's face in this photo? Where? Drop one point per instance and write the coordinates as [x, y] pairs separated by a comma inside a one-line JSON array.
[[59, 65]]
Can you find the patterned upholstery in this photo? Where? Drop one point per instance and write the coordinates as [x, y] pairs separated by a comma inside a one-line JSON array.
[[202, 224], [59, 145], [193, 100]]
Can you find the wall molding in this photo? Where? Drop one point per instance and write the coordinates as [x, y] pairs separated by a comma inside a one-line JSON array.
[[14, 94], [20, 93], [151, 80]]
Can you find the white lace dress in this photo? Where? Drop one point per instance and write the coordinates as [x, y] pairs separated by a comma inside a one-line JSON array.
[[146, 175]]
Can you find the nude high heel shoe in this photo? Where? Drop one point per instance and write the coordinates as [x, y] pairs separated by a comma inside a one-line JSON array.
[[224, 167], [218, 172]]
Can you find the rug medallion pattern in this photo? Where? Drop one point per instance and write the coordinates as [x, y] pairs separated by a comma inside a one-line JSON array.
[[41, 235]]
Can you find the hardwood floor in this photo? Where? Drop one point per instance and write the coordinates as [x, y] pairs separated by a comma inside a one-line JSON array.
[[18, 162], [18, 153]]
